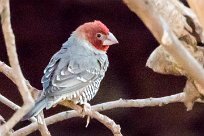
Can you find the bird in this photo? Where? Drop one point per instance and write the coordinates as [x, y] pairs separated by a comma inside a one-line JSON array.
[[75, 72]]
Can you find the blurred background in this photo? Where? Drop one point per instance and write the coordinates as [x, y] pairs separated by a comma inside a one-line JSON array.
[[41, 26]]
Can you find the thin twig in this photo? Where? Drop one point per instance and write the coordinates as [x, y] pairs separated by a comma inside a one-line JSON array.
[[11, 50], [9, 103], [12, 105], [149, 102], [6, 70], [106, 121], [13, 59], [42, 125], [2, 120]]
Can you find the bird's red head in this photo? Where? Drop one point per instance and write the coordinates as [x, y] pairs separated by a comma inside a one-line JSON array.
[[97, 34]]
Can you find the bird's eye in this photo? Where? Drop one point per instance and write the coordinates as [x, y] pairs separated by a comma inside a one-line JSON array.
[[99, 35]]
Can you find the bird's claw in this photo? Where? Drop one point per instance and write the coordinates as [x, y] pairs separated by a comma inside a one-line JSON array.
[[88, 121], [86, 109]]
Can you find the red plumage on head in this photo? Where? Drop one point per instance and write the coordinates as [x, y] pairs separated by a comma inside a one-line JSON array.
[[89, 31], [101, 27]]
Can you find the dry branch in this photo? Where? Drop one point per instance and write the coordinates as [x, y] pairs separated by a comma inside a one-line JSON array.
[[184, 24], [2, 120], [6, 70], [149, 102], [13, 59], [195, 20], [12, 105], [197, 6], [9, 103], [42, 125], [11, 51], [144, 9], [182, 56], [106, 121]]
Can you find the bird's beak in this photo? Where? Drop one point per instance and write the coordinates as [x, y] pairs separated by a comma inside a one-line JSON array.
[[110, 40]]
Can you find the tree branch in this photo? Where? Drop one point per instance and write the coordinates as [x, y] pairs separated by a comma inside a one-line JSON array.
[[2, 120], [42, 125], [145, 10], [148, 102], [9, 103], [12, 105], [106, 121], [197, 6], [6, 70], [13, 59]]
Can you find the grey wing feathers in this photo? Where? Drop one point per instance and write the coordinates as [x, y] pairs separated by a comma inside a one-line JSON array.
[[48, 73], [51, 67], [72, 76]]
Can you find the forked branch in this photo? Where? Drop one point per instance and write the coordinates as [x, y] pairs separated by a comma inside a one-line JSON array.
[[13, 59]]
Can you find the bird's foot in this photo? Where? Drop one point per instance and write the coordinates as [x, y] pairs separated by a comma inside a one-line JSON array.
[[85, 111]]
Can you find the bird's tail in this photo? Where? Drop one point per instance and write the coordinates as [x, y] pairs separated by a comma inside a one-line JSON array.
[[39, 106]]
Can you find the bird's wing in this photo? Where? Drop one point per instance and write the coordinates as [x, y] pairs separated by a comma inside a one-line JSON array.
[[52, 66], [72, 78], [64, 75], [49, 71]]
